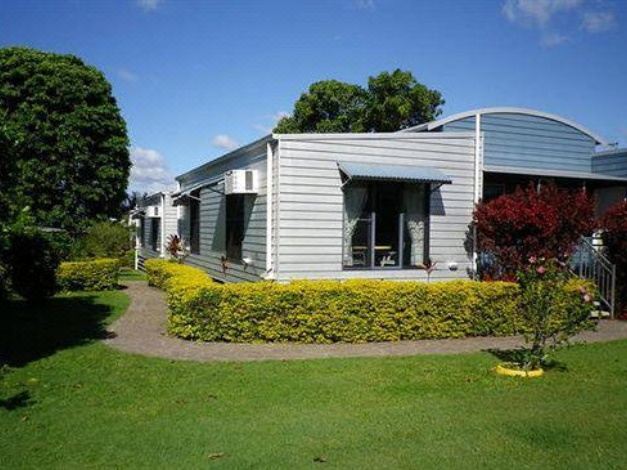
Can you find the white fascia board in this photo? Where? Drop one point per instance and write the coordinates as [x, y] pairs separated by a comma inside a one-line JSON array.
[[374, 136], [228, 156]]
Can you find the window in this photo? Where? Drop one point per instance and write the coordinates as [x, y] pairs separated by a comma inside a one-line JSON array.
[[385, 225], [492, 191], [142, 232], [234, 226], [155, 226], [194, 222]]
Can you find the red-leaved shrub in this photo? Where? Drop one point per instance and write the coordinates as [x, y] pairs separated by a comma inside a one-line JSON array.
[[543, 223], [614, 226]]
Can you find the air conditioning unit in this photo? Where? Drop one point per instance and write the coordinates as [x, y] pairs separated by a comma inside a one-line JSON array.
[[241, 182]]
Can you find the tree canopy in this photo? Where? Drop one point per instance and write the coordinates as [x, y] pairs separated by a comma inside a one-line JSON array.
[[63, 130], [391, 101]]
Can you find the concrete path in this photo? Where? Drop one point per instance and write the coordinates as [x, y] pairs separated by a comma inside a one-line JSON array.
[[141, 330]]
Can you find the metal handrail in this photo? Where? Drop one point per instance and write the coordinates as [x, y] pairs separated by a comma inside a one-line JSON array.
[[591, 264]]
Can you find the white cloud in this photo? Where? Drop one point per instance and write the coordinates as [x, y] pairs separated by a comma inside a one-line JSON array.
[[545, 15], [270, 121], [364, 4], [280, 115], [127, 75], [598, 21], [224, 141], [150, 172], [536, 12], [553, 39], [149, 5]]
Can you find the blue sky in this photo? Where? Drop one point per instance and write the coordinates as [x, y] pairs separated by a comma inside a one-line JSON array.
[[194, 78]]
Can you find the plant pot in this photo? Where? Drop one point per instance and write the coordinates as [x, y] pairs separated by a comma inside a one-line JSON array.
[[510, 370]]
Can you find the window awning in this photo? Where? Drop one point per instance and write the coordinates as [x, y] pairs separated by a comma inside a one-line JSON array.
[[180, 196], [401, 173], [137, 214]]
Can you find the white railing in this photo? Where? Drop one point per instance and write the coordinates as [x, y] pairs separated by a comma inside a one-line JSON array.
[[589, 263]]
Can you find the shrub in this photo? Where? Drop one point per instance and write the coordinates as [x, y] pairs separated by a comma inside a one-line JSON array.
[[614, 226], [160, 272], [97, 274], [105, 240], [4, 281], [555, 306], [32, 262], [176, 248], [546, 223], [332, 311]]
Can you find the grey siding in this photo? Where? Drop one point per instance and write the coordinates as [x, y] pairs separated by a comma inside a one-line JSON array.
[[167, 225], [513, 139], [610, 163], [212, 216], [171, 218], [311, 201]]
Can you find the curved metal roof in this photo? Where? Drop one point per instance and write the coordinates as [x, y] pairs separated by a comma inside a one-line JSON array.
[[428, 126]]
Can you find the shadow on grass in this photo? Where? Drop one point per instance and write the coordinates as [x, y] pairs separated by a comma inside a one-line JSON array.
[[29, 332], [19, 400], [519, 355]]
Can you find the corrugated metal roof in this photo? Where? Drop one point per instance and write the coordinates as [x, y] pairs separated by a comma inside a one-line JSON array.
[[417, 174], [429, 126], [583, 175]]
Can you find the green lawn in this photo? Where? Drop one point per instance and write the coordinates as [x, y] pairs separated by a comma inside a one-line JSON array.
[[127, 274], [71, 402]]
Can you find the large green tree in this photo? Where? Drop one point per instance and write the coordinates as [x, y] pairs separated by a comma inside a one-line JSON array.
[[66, 136], [392, 101], [328, 106]]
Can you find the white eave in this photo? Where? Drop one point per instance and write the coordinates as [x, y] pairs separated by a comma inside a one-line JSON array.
[[429, 126]]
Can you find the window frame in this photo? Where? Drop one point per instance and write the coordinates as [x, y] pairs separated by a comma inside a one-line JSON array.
[[155, 234], [194, 206], [142, 232], [234, 250], [401, 221]]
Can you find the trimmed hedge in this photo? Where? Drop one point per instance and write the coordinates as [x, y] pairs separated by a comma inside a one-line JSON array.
[[332, 311], [352, 311], [161, 272], [96, 274]]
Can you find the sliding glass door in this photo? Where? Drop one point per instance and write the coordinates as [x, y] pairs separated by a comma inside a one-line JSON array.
[[385, 225]]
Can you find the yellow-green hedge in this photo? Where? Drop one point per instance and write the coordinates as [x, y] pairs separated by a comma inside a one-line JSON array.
[[163, 272], [96, 274], [351, 311]]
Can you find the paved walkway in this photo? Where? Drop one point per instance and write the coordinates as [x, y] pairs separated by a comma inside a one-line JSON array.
[[141, 330]]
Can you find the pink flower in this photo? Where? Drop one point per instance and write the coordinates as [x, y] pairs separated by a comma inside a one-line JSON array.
[[532, 260], [541, 270]]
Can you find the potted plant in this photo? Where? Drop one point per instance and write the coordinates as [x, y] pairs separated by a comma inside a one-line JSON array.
[[554, 306]]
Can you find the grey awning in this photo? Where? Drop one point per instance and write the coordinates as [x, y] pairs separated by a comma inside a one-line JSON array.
[[402, 173], [581, 175], [137, 213], [179, 196]]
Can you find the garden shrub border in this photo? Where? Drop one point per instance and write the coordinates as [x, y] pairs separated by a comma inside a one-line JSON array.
[[95, 274], [353, 311]]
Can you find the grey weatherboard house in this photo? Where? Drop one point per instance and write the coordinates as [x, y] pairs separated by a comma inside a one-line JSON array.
[[377, 205]]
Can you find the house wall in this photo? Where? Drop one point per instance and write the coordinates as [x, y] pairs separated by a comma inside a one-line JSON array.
[[610, 163], [212, 216], [512, 139], [167, 225], [145, 250], [310, 224], [170, 214]]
